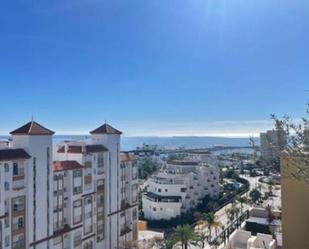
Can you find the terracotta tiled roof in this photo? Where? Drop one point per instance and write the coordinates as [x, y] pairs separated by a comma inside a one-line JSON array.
[[125, 157], [32, 128], [75, 149], [106, 129], [78, 149], [11, 154], [66, 165]]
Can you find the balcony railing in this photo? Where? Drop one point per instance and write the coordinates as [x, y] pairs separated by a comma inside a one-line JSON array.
[[18, 184], [168, 199], [18, 244], [167, 181]]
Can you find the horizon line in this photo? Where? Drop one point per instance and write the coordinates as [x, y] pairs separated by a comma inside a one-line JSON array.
[[229, 135]]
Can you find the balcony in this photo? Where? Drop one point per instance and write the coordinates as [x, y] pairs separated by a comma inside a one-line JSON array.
[[158, 198], [167, 181], [18, 244], [18, 184]]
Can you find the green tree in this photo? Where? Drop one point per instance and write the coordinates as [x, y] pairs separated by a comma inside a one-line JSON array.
[[232, 213], [201, 239], [185, 235], [255, 195], [146, 168], [169, 243], [293, 138], [211, 220], [231, 174], [242, 200]]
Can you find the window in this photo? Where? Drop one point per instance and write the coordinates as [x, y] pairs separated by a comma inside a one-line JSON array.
[[88, 200], [7, 241], [18, 241], [18, 204], [6, 186], [6, 222], [154, 209], [77, 173], [77, 211], [77, 239], [159, 190], [15, 169], [134, 214], [100, 199], [88, 229], [77, 182], [6, 167], [100, 163], [88, 245], [183, 190], [77, 190], [18, 223], [57, 240], [165, 190]]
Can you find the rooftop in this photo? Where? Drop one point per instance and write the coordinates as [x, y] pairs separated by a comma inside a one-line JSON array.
[[13, 154], [32, 128], [66, 165], [78, 149], [106, 129], [126, 157]]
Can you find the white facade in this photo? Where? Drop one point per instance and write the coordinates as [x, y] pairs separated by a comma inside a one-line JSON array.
[[244, 240], [82, 198], [179, 188], [271, 144]]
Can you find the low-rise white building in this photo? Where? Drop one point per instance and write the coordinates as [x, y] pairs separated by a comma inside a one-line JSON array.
[[179, 188]]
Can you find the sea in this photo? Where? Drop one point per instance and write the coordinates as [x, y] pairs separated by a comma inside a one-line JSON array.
[[130, 143]]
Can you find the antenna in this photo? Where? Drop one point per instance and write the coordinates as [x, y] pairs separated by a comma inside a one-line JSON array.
[[32, 117]]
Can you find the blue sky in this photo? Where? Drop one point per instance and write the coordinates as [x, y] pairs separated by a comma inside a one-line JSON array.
[[153, 67]]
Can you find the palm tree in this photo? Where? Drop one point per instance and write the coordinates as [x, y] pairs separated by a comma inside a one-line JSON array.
[[211, 220], [217, 225], [232, 213], [201, 239], [169, 243], [242, 200], [186, 235]]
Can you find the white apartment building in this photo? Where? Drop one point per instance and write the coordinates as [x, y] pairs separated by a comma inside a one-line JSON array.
[[74, 200], [179, 189]]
